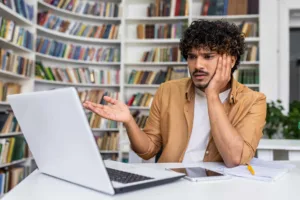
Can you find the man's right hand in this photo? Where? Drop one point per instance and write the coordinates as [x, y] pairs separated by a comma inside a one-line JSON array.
[[115, 110]]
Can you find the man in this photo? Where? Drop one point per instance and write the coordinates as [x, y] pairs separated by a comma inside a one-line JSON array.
[[207, 117]]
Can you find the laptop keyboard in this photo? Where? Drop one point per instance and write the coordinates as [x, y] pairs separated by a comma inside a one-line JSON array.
[[125, 177]]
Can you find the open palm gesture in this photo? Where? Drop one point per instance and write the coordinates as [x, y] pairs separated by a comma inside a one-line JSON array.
[[115, 110]]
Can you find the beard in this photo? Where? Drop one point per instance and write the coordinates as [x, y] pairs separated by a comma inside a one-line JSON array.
[[201, 86]]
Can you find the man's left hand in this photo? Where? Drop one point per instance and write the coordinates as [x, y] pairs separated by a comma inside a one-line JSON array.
[[221, 77]]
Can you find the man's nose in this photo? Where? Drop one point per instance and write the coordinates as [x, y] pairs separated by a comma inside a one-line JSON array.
[[200, 63]]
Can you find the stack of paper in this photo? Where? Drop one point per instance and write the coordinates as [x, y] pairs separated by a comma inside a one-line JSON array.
[[264, 170]]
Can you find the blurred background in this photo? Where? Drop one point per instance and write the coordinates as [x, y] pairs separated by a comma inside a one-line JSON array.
[[126, 49]]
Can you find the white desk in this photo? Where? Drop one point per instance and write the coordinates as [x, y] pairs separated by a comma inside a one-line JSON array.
[[41, 187]]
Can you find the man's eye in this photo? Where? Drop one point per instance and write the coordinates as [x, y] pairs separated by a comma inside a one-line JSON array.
[[208, 57], [191, 57]]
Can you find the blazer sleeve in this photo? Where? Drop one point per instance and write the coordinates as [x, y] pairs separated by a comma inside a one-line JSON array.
[[152, 127], [251, 128]]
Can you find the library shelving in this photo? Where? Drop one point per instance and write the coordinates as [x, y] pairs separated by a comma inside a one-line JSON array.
[[65, 71], [135, 53], [17, 55]]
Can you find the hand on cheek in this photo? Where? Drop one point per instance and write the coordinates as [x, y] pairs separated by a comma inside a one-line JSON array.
[[221, 77]]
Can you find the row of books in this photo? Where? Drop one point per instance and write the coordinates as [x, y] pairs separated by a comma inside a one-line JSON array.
[[12, 176], [21, 7], [13, 149], [103, 9], [247, 76], [150, 31], [229, 7], [15, 34], [168, 8], [110, 156], [251, 53], [249, 29], [78, 75], [163, 54], [97, 122], [77, 52], [158, 77], [108, 142], [8, 123], [139, 118], [7, 88], [96, 95], [14, 63], [77, 28], [140, 99]]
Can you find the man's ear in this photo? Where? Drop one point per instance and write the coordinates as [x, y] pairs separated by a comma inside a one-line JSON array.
[[233, 60]]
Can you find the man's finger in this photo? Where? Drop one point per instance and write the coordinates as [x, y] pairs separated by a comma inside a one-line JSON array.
[[110, 100], [219, 65], [224, 65], [228, 67]]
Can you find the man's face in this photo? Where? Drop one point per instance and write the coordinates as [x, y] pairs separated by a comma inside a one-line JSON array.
[[202, 66]]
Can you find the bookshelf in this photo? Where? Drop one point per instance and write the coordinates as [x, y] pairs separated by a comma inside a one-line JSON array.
[[17, 71], [131, 49], [110, 37]]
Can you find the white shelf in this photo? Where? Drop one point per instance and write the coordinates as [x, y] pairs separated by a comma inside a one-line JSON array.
[[152, 41], [156, 19], [227, 17], [77, 15], [15, 162], [139, 108], [142, 85], [52, 58], [249, 63], [4, 103], [252, 85], [279, 144], [156, 64], [9, 45], [75, 84], [105, 129], [5, 135], [60, 35], [9, 13], [252, 39], [108, 151], [8, 74]]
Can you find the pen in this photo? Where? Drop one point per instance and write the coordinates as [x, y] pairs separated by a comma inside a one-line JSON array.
[[251, 169]]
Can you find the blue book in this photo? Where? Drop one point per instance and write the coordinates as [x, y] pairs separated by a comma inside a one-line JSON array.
[[22, 8]]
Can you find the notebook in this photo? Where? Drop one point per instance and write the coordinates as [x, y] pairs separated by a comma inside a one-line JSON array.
[[264, 170]]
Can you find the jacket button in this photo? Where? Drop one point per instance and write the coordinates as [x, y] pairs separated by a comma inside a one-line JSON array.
[[207, 152]]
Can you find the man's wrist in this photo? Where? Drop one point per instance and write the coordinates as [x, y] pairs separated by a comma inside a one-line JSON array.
[[129, 121], [212, 95]]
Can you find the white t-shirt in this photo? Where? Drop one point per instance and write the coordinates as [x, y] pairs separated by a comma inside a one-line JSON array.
[[201, 128]]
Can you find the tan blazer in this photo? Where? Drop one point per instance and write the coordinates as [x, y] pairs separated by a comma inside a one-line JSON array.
[[170, 121]]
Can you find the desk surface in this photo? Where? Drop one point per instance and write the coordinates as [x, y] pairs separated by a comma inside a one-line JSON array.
[[41, 187]]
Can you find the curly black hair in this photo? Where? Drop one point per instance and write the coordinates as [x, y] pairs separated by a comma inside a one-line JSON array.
[[219, 36]]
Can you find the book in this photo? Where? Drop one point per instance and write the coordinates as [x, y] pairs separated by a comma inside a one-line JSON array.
[[63, 50], [229, 7], [21, 7], [157, 77], [264, 170], [160, 31], [76, 75], [16, 34], [11, 62], [103, 9], [77, 28]]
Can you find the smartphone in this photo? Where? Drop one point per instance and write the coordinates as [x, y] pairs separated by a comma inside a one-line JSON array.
[[200, 174]]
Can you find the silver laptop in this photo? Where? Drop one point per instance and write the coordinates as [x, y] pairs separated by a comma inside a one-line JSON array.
[[59, 136]]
